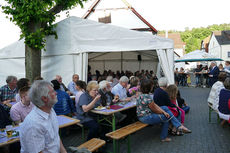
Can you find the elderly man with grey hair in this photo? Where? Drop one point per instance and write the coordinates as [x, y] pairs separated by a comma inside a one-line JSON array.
[[8, 91], [161, 97], [121, 89], [213, 74], [107, 98], [39, 130], [112, 81]]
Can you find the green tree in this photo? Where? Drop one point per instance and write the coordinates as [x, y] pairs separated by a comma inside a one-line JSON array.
[[35, 18], [194, 37]]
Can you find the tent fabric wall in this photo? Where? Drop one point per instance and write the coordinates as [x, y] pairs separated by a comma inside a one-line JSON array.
[[165, 57], [113, 61], [77, 38]]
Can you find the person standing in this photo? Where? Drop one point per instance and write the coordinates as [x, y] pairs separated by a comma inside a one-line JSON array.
[[213, 74], [39, 130]]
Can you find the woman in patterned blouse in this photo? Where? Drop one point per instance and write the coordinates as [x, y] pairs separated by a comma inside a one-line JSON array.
[[150, 113]]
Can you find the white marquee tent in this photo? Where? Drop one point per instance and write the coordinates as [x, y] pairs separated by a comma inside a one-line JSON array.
[[81, 42]]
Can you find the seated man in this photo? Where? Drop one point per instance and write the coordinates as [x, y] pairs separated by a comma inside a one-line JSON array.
[[20, 110], [62, 85], [8, 91], [65, 105], [40, 130], [120, 89], [107, 98], [72, 84]]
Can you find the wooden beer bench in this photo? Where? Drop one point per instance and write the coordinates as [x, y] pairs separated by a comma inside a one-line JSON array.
[[123, 133], [93, 144]]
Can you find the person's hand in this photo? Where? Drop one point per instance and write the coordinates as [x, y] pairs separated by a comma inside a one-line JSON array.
[[115, 100], [166, 115], [68, 92], [128, 99], [74, 114], [6, 102], [97, 97]]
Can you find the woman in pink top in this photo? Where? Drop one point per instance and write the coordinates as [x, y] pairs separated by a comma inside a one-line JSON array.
[[172, 92], [81, 87]]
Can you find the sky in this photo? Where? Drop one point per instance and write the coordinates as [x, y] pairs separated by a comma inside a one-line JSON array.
[[162, 14]]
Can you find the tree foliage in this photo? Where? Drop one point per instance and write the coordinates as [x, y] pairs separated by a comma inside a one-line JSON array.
[[194, 37], [35, 18]]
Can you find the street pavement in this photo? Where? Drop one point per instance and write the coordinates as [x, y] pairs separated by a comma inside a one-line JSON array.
[[205, 137]]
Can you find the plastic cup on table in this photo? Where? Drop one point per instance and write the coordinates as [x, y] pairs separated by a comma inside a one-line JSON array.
[[9, 131]]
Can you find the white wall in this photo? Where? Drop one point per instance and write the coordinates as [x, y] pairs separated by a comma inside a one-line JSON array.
[[225, 50], [214, 47]]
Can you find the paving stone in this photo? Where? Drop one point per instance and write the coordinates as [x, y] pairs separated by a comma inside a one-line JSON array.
[[205, 137]]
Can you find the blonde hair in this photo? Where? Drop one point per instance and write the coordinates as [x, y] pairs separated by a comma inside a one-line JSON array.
[[172, 91], [91, 85]]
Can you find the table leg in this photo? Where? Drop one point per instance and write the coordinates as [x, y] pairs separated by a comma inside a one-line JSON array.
[[113, 129]]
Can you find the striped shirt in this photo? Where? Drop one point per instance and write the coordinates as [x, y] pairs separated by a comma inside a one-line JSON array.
[[6, 93]]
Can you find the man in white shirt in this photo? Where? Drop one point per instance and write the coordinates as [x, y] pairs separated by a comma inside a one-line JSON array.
[[39, 131], [120, 89]]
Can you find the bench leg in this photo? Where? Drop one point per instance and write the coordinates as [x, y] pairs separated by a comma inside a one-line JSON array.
[[128, 143], [115, 145], [218, 118], [83, 133], [210, 113]]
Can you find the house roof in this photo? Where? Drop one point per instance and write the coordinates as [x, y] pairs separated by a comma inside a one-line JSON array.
[[178, 43], [128, 7], [223, 37], [207, 39]]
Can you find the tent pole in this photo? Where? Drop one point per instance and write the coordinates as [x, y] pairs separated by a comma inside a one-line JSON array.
[[121, 61], [139, 65], [104, 65]]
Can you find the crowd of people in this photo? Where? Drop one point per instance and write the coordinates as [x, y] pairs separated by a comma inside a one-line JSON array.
[[38, 104], [204, 76]]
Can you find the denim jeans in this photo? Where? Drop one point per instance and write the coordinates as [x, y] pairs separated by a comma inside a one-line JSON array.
[[197, 80], [186, 109], [160, 118]]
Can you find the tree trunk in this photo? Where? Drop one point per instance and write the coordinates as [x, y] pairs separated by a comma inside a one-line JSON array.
[[32, 63]]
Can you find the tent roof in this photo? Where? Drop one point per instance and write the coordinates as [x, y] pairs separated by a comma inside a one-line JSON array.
[[77, 35], [198, 55]]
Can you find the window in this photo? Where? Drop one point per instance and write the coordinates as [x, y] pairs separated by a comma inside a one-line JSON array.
[[229, 54]]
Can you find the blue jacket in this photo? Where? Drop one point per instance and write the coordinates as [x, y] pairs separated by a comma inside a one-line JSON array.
[[65, 103]]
